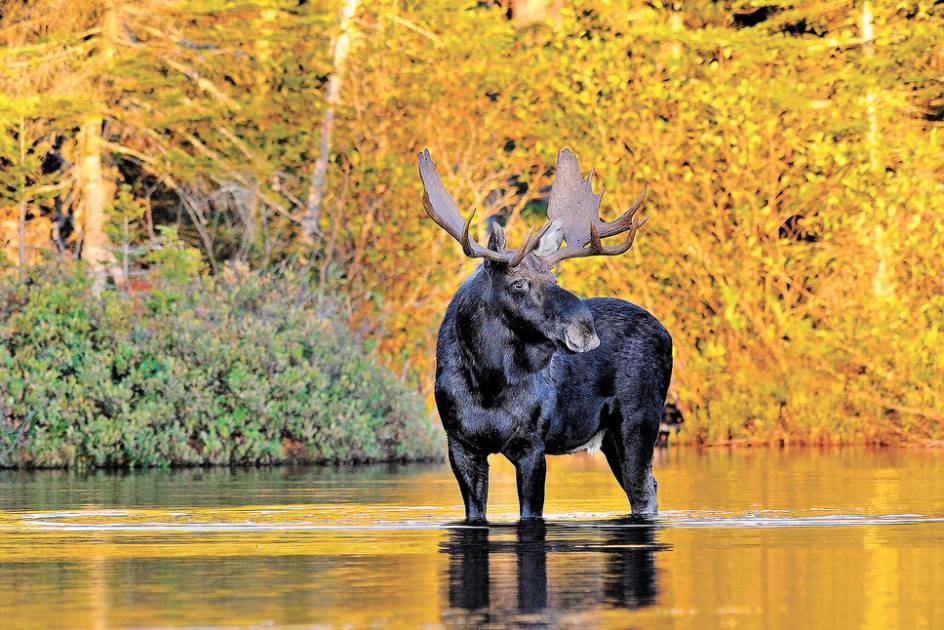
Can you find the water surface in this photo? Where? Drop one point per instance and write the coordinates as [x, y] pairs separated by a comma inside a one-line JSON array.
[[796, 538]]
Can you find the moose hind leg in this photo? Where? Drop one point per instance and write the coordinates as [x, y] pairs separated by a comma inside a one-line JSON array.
[[639, 432], [471, 471], [611, 449]]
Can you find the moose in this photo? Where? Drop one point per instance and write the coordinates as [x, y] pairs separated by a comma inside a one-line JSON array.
[[527, 369]]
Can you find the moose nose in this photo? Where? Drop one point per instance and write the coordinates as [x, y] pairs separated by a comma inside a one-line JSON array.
[[581, 337]]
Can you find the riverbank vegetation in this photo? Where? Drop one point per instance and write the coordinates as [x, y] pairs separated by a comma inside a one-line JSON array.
[[792, 151], [205, 370]]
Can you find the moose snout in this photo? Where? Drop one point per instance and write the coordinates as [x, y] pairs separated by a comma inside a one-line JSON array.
[[580, 336]]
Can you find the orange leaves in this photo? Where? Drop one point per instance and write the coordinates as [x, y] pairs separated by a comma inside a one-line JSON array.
[[790, 176]]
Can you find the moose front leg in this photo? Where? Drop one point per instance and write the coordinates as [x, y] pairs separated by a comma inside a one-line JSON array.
[[471, 471], [531, 470]]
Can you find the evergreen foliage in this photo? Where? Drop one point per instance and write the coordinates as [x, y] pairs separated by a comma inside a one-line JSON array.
[[207, 371]]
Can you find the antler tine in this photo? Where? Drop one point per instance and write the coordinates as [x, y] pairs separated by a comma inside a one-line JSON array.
[[465, 241], [596, 247], [530, 243], [442, 208], [624, 222], [616, 250], [473, 250]]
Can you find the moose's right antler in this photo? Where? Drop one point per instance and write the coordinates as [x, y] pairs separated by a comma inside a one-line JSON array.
[[574, 204], [442, 209]]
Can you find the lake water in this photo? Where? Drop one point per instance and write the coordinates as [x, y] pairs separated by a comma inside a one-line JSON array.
[[794, 538]]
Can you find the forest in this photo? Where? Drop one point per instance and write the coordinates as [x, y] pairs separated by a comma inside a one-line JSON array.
[[213, 247]]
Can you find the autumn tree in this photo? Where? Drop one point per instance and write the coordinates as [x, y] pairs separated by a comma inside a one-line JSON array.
[[792, 152]]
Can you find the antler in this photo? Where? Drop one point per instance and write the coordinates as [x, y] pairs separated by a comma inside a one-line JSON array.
[[442, 209], [577, 207]]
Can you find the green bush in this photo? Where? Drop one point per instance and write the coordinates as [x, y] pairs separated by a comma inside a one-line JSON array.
[[184, 373]]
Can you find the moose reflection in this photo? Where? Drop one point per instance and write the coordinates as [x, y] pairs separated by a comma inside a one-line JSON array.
[[499, 572]]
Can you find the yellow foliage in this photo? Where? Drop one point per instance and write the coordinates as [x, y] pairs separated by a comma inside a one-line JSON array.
[[795, 247], [796, 259]]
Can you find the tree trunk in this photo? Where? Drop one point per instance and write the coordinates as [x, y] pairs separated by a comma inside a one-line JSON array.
[[21, 234], [881, 283], [528, 12], [312, 215], [97, 193], [21, 223]]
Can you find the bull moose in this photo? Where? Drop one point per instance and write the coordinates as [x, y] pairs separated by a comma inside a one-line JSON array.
[[527, 369]]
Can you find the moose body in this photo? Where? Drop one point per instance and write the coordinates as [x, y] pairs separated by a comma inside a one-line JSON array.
[[527, 369]]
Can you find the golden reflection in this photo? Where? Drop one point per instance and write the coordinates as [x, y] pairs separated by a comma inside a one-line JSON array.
[[760, 538]]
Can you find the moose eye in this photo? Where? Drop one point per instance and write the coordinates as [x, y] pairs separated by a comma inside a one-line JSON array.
[[521, 286]]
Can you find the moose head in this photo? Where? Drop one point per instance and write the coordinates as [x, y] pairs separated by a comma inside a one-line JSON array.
[[520, 283]]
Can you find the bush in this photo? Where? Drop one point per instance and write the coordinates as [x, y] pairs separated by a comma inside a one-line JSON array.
[[190, 373]]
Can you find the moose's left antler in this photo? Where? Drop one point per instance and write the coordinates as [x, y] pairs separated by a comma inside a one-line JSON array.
[[575, 207]]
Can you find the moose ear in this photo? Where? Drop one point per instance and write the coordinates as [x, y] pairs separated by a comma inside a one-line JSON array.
[[552, 239], [496, 238]]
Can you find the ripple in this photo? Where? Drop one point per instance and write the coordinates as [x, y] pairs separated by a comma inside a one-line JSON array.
[[396, 517]]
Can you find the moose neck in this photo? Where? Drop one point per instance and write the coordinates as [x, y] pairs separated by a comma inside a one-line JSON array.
[[494, 354]]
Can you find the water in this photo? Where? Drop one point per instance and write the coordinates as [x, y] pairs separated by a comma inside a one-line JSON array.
[[747, 538]]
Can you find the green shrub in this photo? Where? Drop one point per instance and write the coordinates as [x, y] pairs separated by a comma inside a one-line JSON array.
[[192, 373]]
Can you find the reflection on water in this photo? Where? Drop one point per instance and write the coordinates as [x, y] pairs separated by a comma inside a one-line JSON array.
[[757, 538], [627, 578]]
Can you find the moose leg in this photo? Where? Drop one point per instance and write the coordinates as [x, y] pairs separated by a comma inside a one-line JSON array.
[[471, 471], [531, 470], [639, 433], [611, 447]]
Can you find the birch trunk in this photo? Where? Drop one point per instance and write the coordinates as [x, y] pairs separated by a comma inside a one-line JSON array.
[[528, 12], [881, 285], [21, 222], [97, 192], [312, 215]]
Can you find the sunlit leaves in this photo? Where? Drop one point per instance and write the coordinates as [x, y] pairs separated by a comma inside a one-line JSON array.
[[795, 242]]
